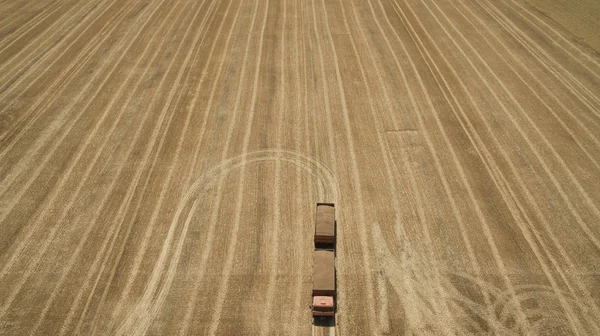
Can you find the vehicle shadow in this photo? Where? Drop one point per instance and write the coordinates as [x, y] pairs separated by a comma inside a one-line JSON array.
[[324, 321]]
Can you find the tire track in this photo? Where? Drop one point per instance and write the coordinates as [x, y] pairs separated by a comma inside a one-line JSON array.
[[165, 268], [227, 268], [496, 174], [561, 191], [511, 206], [486, 229]]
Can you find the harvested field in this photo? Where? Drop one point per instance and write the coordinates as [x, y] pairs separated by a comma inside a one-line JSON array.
[[160, 162]]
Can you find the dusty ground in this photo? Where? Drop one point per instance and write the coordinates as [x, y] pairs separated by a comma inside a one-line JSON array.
[[160, 162]]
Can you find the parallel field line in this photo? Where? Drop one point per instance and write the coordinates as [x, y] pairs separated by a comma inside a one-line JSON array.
[[528, 141], [30, 23], [385, 152], [41, 251], [559, 34], [510, 200], [76, 66], [455, 210], [39, 53], [521, 317], [208, 247], [53, 194], [301, 113], [574, 85], [493, 168], [266, 321], [231, 248], [592, 136], [113, 228], [133, 186]]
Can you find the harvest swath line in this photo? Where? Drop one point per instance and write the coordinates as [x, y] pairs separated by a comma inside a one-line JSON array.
[[222, 291], [37, 55], [577, 95], [384, 316], [52, 196], [154, 279], [463, 136], [299, 181], [57, 144], [506, 199], [129, 196], [326, 98], [557, 33], [158, 206], [455, 210], [480, 144], [521, 316], [162, 142], [157, 127], [443, 318], [355, 173], [76, 66], [266, 315], [73, 69], [160, 125], [575, 81], [558, 101], [64, 213], [524, 134], [6, 6], [113, 228], [210, 234], [542, 241], [32, 21]]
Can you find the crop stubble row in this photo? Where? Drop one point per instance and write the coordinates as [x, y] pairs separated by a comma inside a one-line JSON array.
[[160, 162]]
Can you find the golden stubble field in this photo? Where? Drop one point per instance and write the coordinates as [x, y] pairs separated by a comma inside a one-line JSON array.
[[160, 162]]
